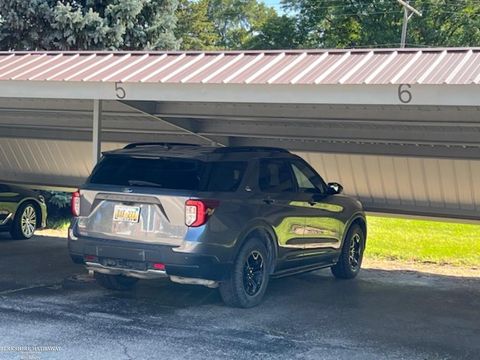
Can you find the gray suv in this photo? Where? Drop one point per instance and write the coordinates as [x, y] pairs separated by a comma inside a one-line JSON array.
[[228, 217]]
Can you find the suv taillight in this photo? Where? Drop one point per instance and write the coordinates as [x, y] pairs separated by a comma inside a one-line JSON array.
[[75, 204], [197, 212]]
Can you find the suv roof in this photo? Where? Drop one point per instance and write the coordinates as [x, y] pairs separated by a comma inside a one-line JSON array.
[[154, 149]]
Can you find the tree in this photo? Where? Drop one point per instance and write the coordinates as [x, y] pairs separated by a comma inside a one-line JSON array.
[[277, 32], [325, 24], [26, 24], [236, 21], [377, 23], [194, 27], [221, 24], [447, 23], [88, 24]]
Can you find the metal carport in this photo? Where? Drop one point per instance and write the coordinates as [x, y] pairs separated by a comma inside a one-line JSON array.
[[400, 129]]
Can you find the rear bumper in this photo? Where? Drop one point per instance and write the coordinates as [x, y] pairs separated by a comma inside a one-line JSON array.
[[137, 259], [141, 274]]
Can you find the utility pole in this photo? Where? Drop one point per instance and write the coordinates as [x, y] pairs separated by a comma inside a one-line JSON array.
[[408, 12]]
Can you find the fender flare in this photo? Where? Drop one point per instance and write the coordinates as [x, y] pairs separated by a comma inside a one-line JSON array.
[[263, 226], [348, 225]]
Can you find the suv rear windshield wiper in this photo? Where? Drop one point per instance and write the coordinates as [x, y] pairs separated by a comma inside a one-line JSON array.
[[143, 183]]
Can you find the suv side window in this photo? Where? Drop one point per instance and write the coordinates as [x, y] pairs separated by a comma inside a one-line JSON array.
[[275, 176], [224, 176], [308, 181]]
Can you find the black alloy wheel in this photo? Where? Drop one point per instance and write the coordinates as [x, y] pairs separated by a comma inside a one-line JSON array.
[[253, 273]]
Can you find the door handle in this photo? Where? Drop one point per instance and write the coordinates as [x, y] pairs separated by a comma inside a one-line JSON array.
[[268, 201]]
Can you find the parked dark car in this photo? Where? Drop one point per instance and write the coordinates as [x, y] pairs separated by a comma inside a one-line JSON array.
[[22, 211], [221, 217]]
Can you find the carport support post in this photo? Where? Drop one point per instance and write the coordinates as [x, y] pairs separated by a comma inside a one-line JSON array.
[[97, 130]]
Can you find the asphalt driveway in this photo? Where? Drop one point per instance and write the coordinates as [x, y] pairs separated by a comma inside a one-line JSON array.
[[46, 301]]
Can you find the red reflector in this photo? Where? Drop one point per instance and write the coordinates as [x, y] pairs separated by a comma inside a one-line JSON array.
[[159, 266], [90, 258], [75, 204]]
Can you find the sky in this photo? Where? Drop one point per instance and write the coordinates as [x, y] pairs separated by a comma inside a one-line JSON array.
[[274, 3]]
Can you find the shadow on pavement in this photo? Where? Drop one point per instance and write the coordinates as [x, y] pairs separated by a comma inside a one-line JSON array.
[[34, 262]]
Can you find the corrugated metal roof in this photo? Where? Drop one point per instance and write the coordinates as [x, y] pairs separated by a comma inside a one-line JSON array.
[[365, 66]]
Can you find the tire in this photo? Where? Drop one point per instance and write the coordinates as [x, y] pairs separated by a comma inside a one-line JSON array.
[[25, 222], [248, 280], [115, 282], [350, 260]]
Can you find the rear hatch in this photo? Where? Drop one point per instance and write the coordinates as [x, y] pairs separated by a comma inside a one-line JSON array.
[[135, 216], [143, 199]]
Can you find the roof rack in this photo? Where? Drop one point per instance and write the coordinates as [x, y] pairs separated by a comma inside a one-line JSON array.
[[166, 145], [229, 149]]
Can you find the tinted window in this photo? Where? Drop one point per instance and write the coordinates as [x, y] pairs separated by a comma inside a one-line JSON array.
[[224, 175], [307, 179], [304, 183], [176, 174], [275, 176]]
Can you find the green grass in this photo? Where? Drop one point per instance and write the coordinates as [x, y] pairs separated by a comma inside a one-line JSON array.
[[423, 241], [408, 240]]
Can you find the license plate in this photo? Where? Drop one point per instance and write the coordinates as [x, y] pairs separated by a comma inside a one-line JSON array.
[[126, 213]]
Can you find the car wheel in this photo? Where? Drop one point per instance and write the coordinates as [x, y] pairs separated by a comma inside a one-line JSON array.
[[249, 278], [350, 261], [25, 222], [115, 282]]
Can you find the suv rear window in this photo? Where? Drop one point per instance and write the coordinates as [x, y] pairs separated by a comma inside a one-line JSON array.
[[175, 174]]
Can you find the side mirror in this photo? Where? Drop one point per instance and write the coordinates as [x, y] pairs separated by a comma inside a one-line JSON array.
[[334, 188]]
